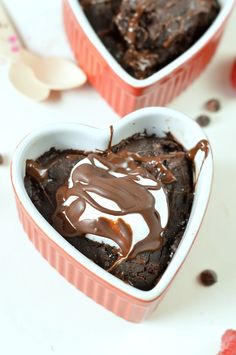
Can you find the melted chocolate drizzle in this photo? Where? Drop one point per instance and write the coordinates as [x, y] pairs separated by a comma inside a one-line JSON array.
[[203, 146], [125, 191], [130, 197], [133, 24], [111, 137]]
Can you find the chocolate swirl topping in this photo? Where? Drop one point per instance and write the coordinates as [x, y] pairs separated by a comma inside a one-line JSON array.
[[124, 179], [118, 180], [159, 167], [125, 191]]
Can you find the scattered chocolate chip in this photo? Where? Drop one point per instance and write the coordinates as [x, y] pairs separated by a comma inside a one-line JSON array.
[[208, 277], [203, 120], [212, 105], [1, 159]]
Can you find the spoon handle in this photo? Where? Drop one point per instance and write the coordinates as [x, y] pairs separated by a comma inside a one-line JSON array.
[[10, 44]]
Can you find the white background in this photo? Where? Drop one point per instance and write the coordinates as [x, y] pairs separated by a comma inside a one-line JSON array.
[[40, 313]]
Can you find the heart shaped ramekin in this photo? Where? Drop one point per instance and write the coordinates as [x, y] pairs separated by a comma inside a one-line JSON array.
[[124, 93], [124, 300]]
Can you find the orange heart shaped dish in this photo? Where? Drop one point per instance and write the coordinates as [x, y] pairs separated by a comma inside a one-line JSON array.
[[178, 59], [116, 211]]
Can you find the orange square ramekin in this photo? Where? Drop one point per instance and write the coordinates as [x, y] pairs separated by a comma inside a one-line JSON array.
[[123, 92], [112, 293]]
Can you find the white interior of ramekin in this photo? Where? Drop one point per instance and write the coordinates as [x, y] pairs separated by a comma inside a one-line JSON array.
[[76, 136], [227, 6]]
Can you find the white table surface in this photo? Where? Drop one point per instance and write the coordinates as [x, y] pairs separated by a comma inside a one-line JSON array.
[[40, 313]]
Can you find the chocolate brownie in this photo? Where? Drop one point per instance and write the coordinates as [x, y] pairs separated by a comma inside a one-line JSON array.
[[61, 183], [146, 35]]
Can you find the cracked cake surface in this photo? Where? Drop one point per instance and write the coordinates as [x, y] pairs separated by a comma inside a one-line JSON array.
[[146, 35]]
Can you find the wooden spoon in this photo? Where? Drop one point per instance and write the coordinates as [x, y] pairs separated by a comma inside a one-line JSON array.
[[24, 80], [54, 72], [29, 72]]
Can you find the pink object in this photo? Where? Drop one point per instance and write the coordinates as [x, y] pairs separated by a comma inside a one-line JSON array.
[[12, 39], [15, 49], [107, 290], [124, 93], [233, 74], [228, 343]]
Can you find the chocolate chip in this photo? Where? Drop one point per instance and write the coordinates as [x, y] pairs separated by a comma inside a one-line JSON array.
[[212, 105], [208, 277], [203, 120], [1, 159]]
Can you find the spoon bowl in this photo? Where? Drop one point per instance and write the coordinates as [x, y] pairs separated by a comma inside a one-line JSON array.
[[25, 81], [54, 72]]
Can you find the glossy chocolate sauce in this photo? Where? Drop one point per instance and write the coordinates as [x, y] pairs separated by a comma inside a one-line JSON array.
[[202, 146], [133, 24], [63, 184], [125, 191], [129, 196]]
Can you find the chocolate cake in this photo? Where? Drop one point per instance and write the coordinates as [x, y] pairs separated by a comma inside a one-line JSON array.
[[106, 203], [145, 35]]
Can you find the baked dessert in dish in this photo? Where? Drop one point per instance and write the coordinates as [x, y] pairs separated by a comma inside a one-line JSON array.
[[125, 208], [146, 35]]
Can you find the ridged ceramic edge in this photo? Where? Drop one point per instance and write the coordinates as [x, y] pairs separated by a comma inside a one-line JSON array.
[[129, 309], [122, 97], [132, 123]]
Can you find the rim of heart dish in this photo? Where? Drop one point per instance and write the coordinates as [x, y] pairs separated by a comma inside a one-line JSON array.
[[180, 122], [227, 6]]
